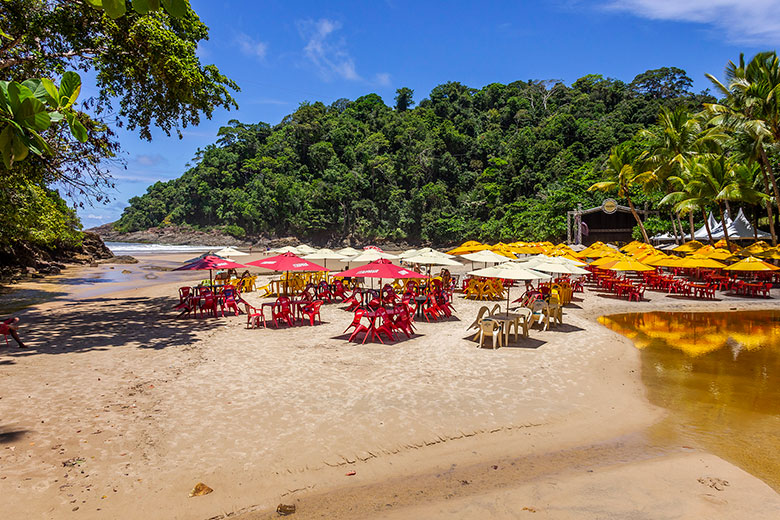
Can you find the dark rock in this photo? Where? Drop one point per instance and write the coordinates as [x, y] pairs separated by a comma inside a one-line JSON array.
[[121, 259]]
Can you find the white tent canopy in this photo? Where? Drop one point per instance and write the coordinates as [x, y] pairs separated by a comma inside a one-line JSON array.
[[738, 228]]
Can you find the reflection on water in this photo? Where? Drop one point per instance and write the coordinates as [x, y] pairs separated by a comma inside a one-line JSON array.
[[719, 376]]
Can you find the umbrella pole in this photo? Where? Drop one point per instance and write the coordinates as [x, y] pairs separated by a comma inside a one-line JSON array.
[[211, 279]]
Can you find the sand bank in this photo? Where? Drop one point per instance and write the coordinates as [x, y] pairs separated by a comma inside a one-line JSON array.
[[141, 406]]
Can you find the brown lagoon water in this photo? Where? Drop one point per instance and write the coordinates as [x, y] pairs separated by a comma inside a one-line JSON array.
[[718, 374]]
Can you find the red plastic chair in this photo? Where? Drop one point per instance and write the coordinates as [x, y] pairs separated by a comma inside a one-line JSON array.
[[281, 310], [5, 329], [207, 302], [253, 317], [352, 301], [185, 301], [359, 327], [323, 292], [403, 322], [431, 309], [355, 319], [339, 291], [229, 296], [386, 327], [312, 310]]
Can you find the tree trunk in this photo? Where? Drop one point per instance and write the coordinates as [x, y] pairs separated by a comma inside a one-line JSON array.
[[725, 229], [638, 220], [707, 226], [768, 205], [771, 174], [690, 222], [674, 228], [755, 223]]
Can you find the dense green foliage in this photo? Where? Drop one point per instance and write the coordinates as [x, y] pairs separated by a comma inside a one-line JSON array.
[[720, 158], [498, 163], [148, 76]]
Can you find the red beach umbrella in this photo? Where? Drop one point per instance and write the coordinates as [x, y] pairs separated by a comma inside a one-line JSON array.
[[381, 268], [209, 262], [287, 262]]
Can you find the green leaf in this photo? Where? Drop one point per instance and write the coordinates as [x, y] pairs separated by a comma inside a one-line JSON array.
[[176, 8], [6, 144], [114, 8], [96, 3], [76, 128], [40, 91], [145, 6], [32, 114], [70, 87], [56, 117], [19, 148], [51, 90], [42, 146], [13, 96]]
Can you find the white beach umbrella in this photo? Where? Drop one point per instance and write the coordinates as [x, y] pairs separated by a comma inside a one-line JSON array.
[[510, 271], [485, 256], [428, 251], [227, 252], [407, 253], [305, 249], [429, 258], [285, 249], [324, 254], [348, 251], [369, 255]]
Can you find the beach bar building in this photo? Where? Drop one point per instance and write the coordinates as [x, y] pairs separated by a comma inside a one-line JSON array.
[[609, 222]]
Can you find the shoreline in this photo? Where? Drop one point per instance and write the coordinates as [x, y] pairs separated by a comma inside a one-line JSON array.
[[171, 392]]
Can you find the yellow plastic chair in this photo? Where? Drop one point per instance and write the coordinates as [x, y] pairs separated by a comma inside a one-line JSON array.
[[490, 328]]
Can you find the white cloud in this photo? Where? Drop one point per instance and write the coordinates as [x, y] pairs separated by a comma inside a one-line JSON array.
[[150, 160], [741, 21], [382, 79], [327, 53], [251, 47]]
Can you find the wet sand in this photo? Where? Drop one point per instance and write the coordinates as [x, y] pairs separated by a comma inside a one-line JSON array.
[[140, 406]]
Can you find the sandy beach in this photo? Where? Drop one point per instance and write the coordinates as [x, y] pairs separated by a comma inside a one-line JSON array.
[[117, 409]]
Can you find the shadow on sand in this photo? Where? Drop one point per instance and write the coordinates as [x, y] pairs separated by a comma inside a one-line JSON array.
[[103, 323]]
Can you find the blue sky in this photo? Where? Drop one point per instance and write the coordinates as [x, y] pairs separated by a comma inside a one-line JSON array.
[[282, 53]]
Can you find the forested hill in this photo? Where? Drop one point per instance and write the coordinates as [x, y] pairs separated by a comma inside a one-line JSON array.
[[503, 162]]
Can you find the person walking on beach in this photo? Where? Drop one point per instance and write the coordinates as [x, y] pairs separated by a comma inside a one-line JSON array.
[[10, 327]]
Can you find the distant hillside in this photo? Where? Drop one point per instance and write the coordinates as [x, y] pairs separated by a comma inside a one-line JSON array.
[[498, 163]]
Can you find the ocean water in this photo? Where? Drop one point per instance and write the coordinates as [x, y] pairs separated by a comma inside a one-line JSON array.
[[131, 248], [718, 375]]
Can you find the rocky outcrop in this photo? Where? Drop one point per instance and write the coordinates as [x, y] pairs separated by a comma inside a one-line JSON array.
[[23, 260], [172, 235]]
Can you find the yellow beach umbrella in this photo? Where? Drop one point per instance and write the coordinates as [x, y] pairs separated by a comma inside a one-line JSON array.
[[719, 254], [669, 261], [653, 259], [608, 259], [627, 264], [769, 254], [472, 246], [722, 244], [701, 261], [752, 263], [689, 247], [631, 246], [752, 249]]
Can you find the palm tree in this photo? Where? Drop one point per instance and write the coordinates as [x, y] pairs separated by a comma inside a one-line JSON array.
[[746, 144], [620, 171], [752, 102], [686, 196], [719, 181], [677, 137]]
